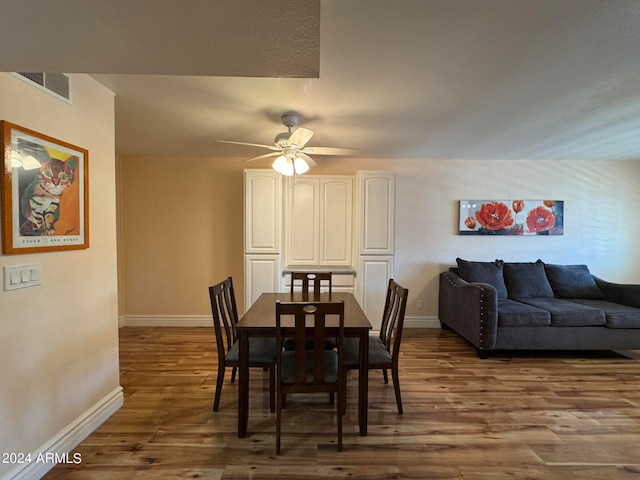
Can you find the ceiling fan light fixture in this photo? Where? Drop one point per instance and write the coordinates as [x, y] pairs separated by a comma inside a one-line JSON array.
[[300, 165], [283, 166], [288, 166], [291, 150]]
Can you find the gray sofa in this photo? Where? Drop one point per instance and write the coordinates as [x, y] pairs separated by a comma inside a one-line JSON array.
[[536, 306]]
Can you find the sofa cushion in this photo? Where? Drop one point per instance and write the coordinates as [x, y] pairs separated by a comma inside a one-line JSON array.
[[565, 313], [617, 315], [518, 314], [483, 272], [572, 281], [527, 280]]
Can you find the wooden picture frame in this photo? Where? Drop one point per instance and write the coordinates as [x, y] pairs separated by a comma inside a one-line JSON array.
[[45, 192]]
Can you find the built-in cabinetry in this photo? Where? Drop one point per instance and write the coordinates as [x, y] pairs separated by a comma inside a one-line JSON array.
[[319, 220], [375, 206], [337, 223], [262, 233]]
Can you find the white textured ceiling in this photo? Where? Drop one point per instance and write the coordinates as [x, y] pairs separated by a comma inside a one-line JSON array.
[[162, 37], [426, 79]]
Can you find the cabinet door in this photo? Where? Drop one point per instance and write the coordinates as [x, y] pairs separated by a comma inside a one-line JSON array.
[[374, 273], [376, 201], [303, 221], [336, 212], [261, 275], [263, 211]]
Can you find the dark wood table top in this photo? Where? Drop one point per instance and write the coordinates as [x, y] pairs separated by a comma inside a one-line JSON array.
[[262, 314]]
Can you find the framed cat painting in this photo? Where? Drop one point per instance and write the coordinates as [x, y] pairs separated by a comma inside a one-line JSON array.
[[45, 195]]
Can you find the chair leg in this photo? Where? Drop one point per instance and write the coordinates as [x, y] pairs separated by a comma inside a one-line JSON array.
[[332, 398], [233, 374], [272, 389], [219, 382], [396, 388], [385, 376], [339, 413], [278, 422], [343, 406]]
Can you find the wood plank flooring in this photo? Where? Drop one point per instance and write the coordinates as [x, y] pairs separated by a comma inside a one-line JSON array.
[[513, 416]]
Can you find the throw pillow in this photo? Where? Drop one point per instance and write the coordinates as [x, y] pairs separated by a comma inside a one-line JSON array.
[[527, 280], [572, 281], [484, 272]]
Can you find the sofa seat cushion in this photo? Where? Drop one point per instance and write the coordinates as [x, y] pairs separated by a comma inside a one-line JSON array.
[[517, 314], [565, 313], [526, 280], [617, 315]]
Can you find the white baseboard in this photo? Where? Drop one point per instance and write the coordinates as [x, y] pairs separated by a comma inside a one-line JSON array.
[[67, 439], [167, 321], [206, 321]]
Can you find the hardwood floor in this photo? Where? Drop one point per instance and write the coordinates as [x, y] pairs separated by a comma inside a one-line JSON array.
[[512, 416]]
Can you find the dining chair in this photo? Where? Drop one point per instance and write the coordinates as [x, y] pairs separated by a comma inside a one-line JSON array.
[[311, 279], [310, 371], [261, 350], [310, 282], [384, 349]]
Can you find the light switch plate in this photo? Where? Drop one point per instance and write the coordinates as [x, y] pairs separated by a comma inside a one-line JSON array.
[[21, 276]]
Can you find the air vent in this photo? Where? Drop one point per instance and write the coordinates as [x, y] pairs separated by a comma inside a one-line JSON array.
[[56, 84]]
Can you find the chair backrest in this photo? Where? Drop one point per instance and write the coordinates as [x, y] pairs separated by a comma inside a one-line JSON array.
[[225, 315], [310, 319], [393, 317], [311, 281]]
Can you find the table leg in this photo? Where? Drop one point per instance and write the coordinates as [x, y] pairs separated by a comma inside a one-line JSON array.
[[243, 383], [363, 383]]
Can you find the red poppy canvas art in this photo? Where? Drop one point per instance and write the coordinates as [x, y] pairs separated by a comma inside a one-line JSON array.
[[511, 217]]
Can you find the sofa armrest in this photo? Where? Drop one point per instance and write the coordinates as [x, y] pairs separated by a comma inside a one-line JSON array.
[[469, 308], [625, 294]]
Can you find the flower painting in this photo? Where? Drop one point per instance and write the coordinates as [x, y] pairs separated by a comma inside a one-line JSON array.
[[511, 217]]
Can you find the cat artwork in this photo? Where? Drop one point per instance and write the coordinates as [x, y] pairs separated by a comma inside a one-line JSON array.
[[40, 202]]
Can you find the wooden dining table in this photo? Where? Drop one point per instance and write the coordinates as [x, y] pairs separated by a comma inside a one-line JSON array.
[[260, 321]]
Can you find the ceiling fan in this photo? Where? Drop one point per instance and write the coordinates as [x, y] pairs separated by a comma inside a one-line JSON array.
[[290, 150]]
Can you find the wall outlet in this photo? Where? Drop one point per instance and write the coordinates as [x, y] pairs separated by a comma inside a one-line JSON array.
[[420, 304]]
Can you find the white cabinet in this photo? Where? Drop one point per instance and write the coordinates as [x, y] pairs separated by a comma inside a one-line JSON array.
[[262, 211], [262, 233], [377, 199], [336, 220], [302, 220], [337, 223], [375, 242], [261, 273], [318, 219], [374, 272]]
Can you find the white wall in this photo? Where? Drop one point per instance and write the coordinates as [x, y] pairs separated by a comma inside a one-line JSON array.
[[59, 340], [600, 224], [601, 227]]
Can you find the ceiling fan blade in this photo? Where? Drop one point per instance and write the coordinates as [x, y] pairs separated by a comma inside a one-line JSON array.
[[266, 155], [308, 159], [331, 151], [300, 137], [270, 147]]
